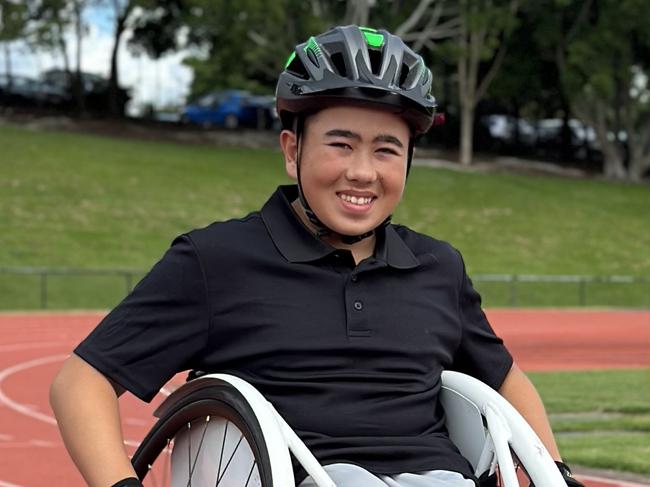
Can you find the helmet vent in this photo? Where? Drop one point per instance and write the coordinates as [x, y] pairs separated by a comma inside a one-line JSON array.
[[403, 75], [375, 61], [339, 63], [297, 68]]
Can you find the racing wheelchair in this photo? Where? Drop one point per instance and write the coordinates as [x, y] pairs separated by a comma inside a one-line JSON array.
[[218, 430]]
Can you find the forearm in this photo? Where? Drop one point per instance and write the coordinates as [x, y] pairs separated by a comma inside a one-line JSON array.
[[521, 393], [86, 408]]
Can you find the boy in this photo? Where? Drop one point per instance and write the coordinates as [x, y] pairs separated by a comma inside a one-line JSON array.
[[341, 319]]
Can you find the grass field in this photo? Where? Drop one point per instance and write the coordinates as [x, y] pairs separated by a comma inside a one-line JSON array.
[[70, 200], [601, 418]]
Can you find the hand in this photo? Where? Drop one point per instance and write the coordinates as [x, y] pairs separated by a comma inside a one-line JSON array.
[[568, 476], [128, 482]]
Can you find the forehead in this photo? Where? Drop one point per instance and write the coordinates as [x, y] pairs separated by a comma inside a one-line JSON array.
[[367, 122]]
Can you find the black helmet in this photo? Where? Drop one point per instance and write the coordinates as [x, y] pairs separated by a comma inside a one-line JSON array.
[[358, 66]]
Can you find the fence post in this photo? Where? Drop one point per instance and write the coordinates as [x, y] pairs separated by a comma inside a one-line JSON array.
[[513, 289], [44, 290], [128, 279], [582, 291]]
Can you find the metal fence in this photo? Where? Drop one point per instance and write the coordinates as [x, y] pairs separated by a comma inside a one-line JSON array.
[[580, 285], [575, 290]]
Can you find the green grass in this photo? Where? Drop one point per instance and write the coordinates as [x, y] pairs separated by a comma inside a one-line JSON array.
[[601, 418], [82, 201]]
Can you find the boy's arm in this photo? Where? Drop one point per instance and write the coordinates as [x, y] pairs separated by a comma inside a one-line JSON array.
[[521, 393], [85, 404]]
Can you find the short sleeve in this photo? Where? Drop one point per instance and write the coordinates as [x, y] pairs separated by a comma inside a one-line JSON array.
[[158, 330], [481, 353]]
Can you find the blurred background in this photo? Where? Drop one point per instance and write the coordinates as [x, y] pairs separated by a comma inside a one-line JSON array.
[[564, 81]]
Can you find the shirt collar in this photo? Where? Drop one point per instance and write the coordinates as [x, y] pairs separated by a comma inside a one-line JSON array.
[[297, 244]]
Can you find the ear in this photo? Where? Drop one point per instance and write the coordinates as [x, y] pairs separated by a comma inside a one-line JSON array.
[[289, 146]]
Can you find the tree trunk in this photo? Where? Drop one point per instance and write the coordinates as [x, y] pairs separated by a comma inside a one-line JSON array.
[[593, 113], [466, 134], [639, 147], [8, 63], [78, 82], [114, 106]]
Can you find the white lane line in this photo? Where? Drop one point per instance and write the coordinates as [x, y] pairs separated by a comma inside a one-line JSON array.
[[28, 346], [7, 484], [20, 408], [132, 443]]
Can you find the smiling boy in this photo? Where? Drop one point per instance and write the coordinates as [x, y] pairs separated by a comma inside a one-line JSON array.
[[343, 320]]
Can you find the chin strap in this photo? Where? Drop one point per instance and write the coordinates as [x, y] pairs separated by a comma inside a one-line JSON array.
[[321, 228]]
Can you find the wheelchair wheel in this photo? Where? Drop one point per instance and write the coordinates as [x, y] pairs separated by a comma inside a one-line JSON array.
[[208, 438]]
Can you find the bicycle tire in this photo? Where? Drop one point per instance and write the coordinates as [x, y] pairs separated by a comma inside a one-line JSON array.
[[218, 401]]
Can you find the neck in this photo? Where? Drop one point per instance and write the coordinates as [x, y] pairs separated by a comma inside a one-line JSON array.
[[360, 250]]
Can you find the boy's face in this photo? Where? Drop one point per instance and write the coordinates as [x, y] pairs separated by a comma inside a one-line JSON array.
[[353, 166]]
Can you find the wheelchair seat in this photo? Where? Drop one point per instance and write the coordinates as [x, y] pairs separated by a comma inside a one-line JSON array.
[[219, 430]]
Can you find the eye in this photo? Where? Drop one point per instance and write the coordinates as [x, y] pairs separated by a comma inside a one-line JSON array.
[[388, 150], [340, 145]]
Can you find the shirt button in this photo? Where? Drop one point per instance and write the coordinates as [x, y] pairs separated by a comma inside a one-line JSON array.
[[358, 305], [355, 278]]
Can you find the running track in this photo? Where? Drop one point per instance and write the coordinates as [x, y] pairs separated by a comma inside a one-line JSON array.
[[32, 347]]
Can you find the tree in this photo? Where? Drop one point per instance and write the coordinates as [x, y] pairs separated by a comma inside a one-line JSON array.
[[480, 51], [122, 9], [52, 19], [605, 70], [13, 21], [245, 44]]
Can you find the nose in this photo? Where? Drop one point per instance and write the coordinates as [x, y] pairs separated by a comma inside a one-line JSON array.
[[361, 169]]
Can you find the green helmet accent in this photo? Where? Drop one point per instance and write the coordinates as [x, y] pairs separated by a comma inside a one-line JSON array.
[[353, 65], [373, 38], [291, 56]]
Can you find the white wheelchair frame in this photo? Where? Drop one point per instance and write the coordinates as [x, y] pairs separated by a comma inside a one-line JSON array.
[[487, 430]]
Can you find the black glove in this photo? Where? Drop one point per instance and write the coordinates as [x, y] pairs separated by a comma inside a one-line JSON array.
[[128, 482], [568, 476]]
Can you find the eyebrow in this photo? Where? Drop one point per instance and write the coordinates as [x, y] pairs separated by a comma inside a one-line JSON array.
[[390, 139]]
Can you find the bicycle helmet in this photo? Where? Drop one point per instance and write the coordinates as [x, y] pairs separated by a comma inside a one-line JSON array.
[[360, 66], [352, 65]]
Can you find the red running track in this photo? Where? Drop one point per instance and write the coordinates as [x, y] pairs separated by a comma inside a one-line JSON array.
[[33, 346]]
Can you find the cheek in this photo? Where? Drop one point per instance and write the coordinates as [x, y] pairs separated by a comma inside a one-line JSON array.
[[394, 178], [320, 168]]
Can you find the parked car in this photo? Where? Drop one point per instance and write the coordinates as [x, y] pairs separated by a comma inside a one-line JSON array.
[[583, 141], [503, 128], [231, 109], [22, 91]]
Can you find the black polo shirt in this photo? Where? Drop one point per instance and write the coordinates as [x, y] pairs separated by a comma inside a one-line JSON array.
[[350, 355]]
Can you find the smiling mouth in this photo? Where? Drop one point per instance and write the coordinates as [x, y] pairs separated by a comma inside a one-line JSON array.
[[356, 200]]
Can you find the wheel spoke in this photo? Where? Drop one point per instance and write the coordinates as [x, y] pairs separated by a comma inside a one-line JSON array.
[[223, 447], [230, 459], [198, 451], [250, 474]]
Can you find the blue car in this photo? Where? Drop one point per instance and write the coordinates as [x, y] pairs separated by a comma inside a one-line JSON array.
[[231, 109]]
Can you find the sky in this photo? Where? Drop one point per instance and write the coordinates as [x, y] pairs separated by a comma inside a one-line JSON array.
[[160, 83]]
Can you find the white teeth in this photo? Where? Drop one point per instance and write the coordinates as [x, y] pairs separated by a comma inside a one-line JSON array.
[[355, 200]]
